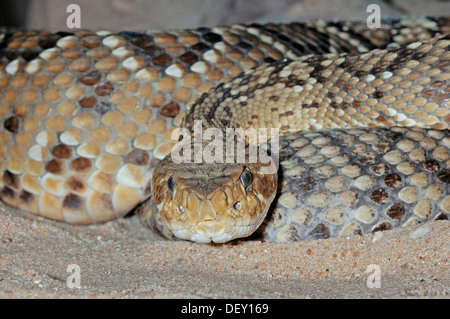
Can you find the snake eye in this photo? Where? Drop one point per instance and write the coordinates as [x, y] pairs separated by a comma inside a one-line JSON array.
[[246, 178], [171, 184]]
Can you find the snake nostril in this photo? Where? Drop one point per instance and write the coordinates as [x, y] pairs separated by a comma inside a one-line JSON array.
[[237, 205], [181, 208]]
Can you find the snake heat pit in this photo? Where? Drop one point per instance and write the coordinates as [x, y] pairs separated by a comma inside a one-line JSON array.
[[363, 115]]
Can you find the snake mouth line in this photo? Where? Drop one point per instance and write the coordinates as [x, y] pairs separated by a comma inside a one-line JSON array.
[[208, 231]]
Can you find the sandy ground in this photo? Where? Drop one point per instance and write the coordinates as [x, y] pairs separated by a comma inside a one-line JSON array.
[[122, 259]]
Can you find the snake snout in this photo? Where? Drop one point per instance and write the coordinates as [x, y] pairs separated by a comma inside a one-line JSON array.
[[207, 213], [211, 202]]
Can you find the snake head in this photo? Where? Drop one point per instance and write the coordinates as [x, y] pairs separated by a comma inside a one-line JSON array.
[[212, 202]]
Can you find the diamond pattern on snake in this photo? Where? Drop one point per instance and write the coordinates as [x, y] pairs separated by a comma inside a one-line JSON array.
[[87, 121]]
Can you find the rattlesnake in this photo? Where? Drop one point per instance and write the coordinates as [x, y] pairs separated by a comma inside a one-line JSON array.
[[87, 116]]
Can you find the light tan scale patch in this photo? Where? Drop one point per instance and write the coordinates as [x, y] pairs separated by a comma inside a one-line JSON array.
[[80, 65], [25, 139], [113, 118], [84, 121], [335, 215], [14, 67], [11, 96], [393, 157], [146, 141], [191, 80], [352, 170], [302, 216], [349, 198], [51, 205], [99, 207], [56, 123], [125, 199], [145, 90], [131, 175], [176, 70], [131, 86], [123, 52], [306, 152], [420, 179], [288, 200], [435, 192], [38, 153], [108, 163], [406, 168], [296, 172], [156, 126], [129, 104], [33, 67], [351, 229], [63, 79], [157, 100], [50, 54], [189, 38], [408, 194], [365, 214], [285, 233], [45, 138], [182, 95], [75, 92], [336, 184], [148, 74], [53, 184], [100, 134], [106, 64], [89, 149], [364, 182], [30, 183], [67, 108], [417, 155], [119, 75], [142, 116], [18, 151], [423, 209], [117, 147], [55, 66], [163, 149], [318, 199], [134, 63], [41, 81], [102, 182], [68, 42], [34, 167], [330, 151], [128, 130]]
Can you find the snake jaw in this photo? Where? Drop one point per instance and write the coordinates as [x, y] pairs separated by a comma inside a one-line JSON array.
[[229, 202]]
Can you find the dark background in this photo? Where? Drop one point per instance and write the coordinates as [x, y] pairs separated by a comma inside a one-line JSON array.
[[13, 13]]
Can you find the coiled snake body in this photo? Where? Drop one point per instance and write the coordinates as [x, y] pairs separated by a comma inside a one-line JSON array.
[[86, 117]]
